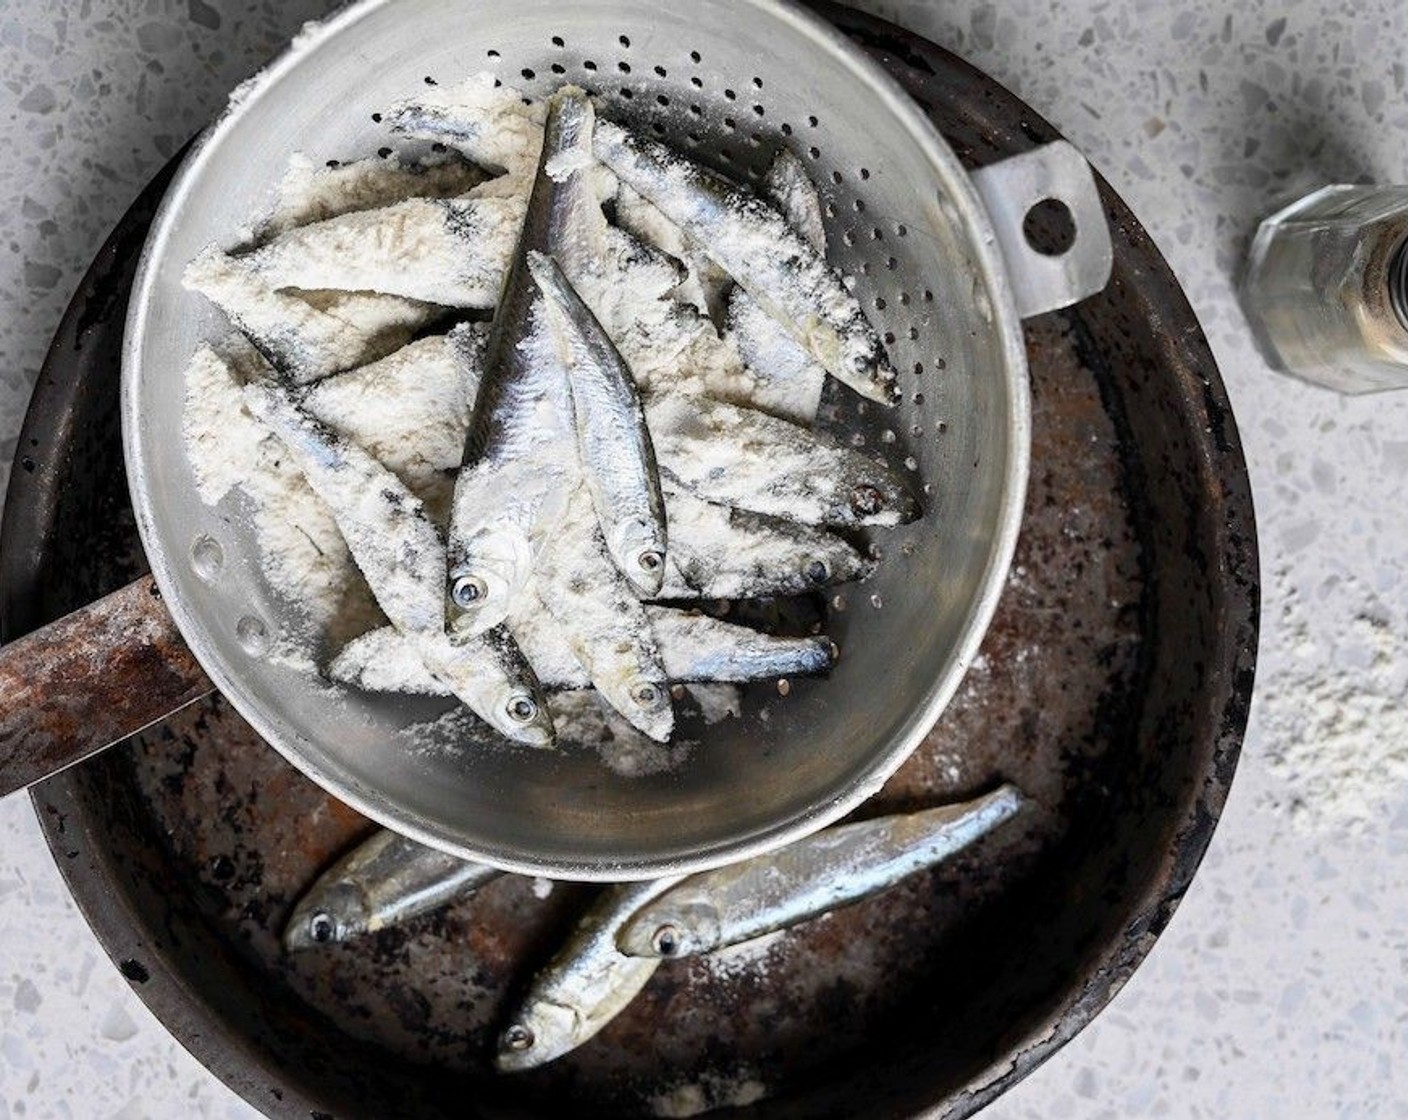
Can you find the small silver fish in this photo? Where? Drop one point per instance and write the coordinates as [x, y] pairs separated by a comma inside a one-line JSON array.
[[489, 123], [519, 459], [399, 551], [586, 985], [307, 335], [702, 283], [755, 244], [694, 648], [447, 251], [383, 882], [820, 873], [722, 553], [490, 675], [741, 457], [410, 410], [311, 192], [618, 461], [604, 621], [789, 379], [393, 542]]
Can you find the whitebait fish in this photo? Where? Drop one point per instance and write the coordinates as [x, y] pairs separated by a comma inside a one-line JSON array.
[[789, 379], [488, 123], [399, 551], [313, 192], [385, 881], [745, 458], [307, 335], [617, 459], [604, 622], [757, 246], [410, 410], [519, 459], [586, 985], [447, 251], [820, 873], [722, 553], [694, 648]]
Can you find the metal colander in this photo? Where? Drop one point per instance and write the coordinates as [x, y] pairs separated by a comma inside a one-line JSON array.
[[940, 266]]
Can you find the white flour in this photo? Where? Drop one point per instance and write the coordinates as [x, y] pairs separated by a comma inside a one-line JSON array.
[[712, 1091], [408, 403], [1335, 716]]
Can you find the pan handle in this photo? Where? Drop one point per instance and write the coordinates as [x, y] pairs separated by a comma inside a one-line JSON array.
[[1047, 275], [89, 680]]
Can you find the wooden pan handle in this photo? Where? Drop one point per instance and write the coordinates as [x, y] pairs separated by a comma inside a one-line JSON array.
[[89, 680]]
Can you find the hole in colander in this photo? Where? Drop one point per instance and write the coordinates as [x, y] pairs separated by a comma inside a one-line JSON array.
[[757, 83], [558, 41], [492, 53], [528, 73], [730, 95], [697, 82], [625, 41], [1049, 227], [558, 68], [661, 72], [588, 64], [696, 57], [624, 67], [786, 129]]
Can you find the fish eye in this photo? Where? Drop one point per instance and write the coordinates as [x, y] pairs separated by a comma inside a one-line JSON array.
[[523, 709], [818, 571], [651, 560], [518, 1037], [468, 592], [646, 695], [866, 500], [666, 940], [321, 927]]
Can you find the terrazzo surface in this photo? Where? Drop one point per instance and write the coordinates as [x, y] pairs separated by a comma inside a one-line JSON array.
[[1281, 987]]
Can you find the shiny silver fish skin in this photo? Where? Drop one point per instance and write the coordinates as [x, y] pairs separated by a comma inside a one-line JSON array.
[[820, 873], [586, 985], [519, 452], [616, 455], [713, 450], [393, 542], [722, 553], [307, 335], [446, 251], [604, 621], [399, 552], [493, 678], [755, 244], [694, 648], [383, 882], [790, 380]]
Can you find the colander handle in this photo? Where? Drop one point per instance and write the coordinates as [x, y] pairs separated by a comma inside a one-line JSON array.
[[1056, 254], [90, 680]]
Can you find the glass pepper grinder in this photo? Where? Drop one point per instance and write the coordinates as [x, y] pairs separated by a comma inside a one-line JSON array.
[[1326, 288]]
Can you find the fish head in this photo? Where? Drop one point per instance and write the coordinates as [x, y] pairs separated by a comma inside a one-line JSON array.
[[671, 928], [647, 706], [327, 917], [539, 1032], [523, 717], [639, 551], [484, 580]]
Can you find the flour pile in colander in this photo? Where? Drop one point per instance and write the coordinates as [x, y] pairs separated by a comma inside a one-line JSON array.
[[527, 414]]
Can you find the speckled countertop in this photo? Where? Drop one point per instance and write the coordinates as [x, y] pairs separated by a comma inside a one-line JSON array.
[[1281, 988]]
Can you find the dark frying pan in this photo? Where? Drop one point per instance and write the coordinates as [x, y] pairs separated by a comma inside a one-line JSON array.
[[187, 847]]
